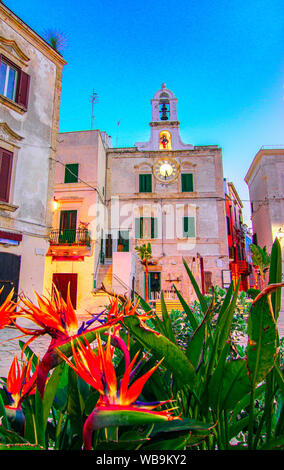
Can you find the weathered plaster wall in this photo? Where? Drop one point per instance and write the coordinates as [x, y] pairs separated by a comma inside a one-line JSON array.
[[33, 168]]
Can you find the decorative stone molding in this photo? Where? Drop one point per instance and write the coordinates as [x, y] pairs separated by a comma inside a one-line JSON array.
[[12, 51], [8, 135]]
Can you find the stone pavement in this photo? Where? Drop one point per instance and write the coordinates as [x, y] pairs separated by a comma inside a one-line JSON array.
[[9, 342]]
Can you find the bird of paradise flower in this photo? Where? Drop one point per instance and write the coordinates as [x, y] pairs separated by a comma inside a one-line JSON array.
[[7, 309], [58, 319], [20, 383], [117, 405]]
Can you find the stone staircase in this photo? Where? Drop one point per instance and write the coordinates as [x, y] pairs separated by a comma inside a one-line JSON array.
[[105, 276], [100, 298], [171, 304]]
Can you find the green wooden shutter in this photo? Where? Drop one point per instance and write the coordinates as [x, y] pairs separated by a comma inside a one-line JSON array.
[[154, 227], [189, 227], [148, 183], [71, 173], [186, 182], [145, 183], [137, 227]]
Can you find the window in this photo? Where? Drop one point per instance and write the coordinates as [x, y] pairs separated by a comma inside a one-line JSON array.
[[123, 240], [188, 227], [145, 183], [228, 225], [71, 173], [67, 229], [187, 182], [146, 227], [14, 83], [6, 159]]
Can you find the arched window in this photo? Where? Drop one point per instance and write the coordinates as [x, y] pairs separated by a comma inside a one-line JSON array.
[[165, 140], [164, 109]]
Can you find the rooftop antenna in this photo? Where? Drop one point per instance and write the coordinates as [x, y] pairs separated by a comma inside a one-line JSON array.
[[118, 124], [93, 100]]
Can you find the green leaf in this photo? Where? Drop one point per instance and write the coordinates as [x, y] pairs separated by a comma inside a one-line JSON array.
[[39, 420], [174, 359], [198, 340], [233, 385], [275, 276], [156, 320], [3, 416], [226, 302], [50, 391], [109, 446], [262, 337], [276, 444], [225, 323], [89, 336], [187, 310], [176, 443], [74, 407], [166, 320], [200, 297], [279, 377], [24, 446], [186, 424], [29, 353]]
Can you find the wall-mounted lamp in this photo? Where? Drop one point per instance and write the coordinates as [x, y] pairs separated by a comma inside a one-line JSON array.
[[55, 204], [280, 234]]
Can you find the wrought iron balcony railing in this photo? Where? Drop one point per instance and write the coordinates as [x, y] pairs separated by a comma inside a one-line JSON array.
[[70, 237]]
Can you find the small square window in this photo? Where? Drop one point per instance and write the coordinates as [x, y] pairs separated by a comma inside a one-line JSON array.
[[187, 182], [71, 173], [145, 183]]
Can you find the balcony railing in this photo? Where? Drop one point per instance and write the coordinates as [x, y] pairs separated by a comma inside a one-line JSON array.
[[70, 237]]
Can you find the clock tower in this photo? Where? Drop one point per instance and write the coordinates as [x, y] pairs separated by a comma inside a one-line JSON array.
[[164, 125]]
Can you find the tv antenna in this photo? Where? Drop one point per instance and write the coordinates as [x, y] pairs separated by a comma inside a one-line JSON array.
[[93, 99]]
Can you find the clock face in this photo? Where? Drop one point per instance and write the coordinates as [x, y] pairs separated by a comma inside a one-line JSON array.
[[166, 170]]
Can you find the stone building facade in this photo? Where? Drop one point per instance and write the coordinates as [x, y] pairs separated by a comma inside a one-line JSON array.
[[163, 192], [79, 217], [170, 194], [30, 88], [265, 180]]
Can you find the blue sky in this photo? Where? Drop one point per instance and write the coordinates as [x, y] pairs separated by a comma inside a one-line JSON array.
[[224, 61]]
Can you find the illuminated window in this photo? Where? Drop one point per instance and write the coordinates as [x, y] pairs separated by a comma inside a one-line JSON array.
[[165, 140]]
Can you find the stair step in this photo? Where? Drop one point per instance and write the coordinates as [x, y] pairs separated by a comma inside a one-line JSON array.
[[171, 304]]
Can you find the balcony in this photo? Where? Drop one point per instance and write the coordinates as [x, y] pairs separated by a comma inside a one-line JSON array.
[[69, 242]]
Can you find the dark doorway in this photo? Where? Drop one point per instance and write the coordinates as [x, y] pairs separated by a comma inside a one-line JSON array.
[[208, 281], [108, 247], [9, 274], [154, 283], [61, 281]]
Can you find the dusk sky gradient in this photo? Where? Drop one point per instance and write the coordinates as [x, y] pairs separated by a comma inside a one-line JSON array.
[[223, 60]]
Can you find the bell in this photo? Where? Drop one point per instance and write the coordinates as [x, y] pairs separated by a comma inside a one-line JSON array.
[[164, 111]]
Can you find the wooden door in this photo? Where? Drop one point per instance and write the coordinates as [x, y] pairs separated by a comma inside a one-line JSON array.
[[61, 281], [9, 274]]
